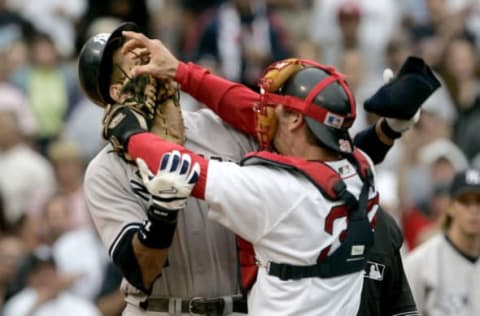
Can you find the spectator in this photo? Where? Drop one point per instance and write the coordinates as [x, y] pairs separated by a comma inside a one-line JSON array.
[[26, 175], [243, 38], [79, 251], [438, 163], [57, 18], [12, 99], [45, 293], [69, 167], [444, 272], [13, 27], [460, 66], [50, 87], [368, 25], [12, 251], [55, 218], [434, 35]]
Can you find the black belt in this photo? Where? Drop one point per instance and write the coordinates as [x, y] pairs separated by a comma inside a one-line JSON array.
[[197, 305]]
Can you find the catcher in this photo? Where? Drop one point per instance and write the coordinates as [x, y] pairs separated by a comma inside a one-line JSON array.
[[200, 274]]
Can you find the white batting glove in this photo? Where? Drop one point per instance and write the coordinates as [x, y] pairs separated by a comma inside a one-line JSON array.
[[174, 180], [397, 125]]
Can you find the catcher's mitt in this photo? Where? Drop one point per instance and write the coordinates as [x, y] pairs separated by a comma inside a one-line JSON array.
[[120, 122], [155, 100]]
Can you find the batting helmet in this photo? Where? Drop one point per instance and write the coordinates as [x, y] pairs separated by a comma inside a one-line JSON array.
[[320, 93], [95, 63]]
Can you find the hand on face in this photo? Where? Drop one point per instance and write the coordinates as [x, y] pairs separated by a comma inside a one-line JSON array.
[[162, 64]]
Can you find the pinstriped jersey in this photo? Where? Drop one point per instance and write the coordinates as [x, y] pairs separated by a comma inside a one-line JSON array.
[[202, 258], [443, 281]]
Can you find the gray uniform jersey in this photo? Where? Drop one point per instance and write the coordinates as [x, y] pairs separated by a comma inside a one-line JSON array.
[[202, 259]]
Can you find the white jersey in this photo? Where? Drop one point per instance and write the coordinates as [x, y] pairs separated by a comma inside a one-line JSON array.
[[283, 215], [202, 259], [443, 281]]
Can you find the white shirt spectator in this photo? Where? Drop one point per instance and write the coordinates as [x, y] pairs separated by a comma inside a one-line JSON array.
[[56, 18], [378, 21], [81, 252], [65, 304], [26, 178]]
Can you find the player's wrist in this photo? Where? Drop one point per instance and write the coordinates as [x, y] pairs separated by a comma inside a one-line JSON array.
[[157, 213], [158, 230], [388, 130]]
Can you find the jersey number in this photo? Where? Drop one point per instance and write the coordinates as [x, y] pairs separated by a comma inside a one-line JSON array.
[[338, 212]]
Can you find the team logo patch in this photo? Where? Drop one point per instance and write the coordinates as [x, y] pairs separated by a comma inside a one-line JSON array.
[[333, 120], [344, 170], [374, 270]]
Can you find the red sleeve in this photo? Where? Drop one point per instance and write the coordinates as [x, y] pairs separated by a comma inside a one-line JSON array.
[[151, 148], [233, 102]]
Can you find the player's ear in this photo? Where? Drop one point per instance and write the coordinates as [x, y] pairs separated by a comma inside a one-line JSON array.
[[296, 120], [291, 119]]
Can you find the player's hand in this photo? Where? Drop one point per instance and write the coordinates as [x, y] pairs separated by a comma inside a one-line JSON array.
[[173, 181], [162, 64]]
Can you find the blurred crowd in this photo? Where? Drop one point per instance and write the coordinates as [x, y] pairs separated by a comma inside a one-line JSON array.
[[49, 130]]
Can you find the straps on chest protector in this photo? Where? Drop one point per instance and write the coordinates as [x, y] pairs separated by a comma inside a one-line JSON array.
[[350, 256]]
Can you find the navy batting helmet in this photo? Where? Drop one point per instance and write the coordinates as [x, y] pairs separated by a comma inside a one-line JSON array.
[[95, 63]]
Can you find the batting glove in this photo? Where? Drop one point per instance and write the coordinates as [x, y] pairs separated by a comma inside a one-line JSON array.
[[173, 182]]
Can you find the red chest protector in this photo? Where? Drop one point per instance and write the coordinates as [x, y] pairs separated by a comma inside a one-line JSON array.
[[333, 188]]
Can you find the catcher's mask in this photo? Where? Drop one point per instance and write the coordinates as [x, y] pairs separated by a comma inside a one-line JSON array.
[[95, 63], [315, 90]]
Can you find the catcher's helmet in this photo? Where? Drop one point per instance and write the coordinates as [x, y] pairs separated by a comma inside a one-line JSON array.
[[95, 63], [325, 89]]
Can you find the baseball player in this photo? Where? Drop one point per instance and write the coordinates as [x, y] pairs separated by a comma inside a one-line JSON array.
[[308, 237], [386, 292], [444, 272], [201, 273]]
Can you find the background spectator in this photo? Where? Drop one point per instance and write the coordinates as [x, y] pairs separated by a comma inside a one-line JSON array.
[[444, 271]]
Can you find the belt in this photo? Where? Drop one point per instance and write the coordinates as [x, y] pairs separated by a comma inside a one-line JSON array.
[[198, 305]]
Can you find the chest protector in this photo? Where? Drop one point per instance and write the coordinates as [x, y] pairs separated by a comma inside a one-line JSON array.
[[350, 256]]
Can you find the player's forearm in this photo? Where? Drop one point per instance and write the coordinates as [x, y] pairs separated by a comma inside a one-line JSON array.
[[140, 264], [151, 147], [233, 102], [150, 260]]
